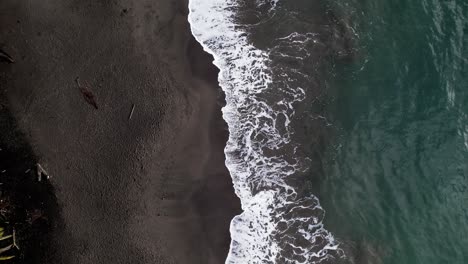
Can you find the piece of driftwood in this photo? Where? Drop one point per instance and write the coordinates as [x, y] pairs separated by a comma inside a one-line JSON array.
[[15, 244], [131, 112], [41, 172], [5, 57], [87, 94]]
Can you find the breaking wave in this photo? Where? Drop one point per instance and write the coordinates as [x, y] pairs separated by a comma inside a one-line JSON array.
[[277, 225]]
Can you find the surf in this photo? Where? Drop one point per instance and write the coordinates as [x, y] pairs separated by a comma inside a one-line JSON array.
[[277, 224]]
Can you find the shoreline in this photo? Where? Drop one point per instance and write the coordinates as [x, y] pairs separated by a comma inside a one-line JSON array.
[[153, 189], [268, 89]]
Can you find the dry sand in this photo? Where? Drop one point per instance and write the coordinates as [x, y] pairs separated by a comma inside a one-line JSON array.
[[152, 189]]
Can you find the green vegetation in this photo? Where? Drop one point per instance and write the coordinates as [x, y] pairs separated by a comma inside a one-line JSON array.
[[8, 245]]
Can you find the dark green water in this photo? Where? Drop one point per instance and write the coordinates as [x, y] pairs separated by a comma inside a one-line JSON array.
[[396, 178]]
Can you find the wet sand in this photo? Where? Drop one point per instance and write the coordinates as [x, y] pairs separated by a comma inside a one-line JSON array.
[[150, 189]]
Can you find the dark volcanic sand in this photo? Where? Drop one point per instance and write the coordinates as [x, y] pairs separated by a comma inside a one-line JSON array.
[[27, 206], [153, 189]]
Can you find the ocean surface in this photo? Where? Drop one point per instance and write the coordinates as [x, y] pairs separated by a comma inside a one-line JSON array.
[[348, 127]]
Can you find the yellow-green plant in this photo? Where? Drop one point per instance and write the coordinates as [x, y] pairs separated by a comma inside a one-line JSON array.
[[4, 236]]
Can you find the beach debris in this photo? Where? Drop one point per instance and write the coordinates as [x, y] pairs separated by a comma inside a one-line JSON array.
[[5, 207], [131, 112], [14, 239], [41, 172], [4, 237], [5, 57], [87, 94]]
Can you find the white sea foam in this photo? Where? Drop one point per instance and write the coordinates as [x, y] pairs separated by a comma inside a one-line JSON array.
[[276, 226]]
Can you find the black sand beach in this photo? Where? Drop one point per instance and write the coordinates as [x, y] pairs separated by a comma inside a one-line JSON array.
[[140, 179]]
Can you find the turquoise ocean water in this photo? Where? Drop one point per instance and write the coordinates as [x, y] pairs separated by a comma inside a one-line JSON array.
[[396, 174]]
